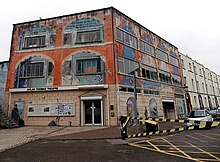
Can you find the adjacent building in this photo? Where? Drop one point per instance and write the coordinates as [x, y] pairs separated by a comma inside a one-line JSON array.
[[88, 69], [3, 78], [201, 85]]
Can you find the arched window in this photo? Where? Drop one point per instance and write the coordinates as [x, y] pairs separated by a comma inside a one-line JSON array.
[[85, 30], [130, 106], [83, 68], [153, 108], [35, 71], [37, 37]]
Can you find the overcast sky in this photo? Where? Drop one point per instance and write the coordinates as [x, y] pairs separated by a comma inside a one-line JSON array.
[[191, 25]]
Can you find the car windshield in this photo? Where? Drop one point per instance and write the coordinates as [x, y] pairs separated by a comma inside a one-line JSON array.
[[213, 112], [196, 114]]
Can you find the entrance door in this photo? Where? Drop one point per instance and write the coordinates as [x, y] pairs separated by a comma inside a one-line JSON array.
[[92, 112], [169, 111]]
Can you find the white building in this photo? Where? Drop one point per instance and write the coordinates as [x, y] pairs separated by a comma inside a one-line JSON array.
[[201, 85]]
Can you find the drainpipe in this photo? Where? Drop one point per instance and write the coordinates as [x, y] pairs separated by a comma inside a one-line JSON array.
[[9, 104], [108, 107], [114, 62]]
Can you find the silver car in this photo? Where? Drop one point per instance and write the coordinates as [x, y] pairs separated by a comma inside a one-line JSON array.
[[199, 115]]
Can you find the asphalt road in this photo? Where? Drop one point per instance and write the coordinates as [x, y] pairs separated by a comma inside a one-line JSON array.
[[195, 145]]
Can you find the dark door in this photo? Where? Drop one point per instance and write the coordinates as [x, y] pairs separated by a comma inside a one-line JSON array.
[[93, 112]]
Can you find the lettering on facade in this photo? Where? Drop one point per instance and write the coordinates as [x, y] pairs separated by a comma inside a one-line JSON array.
[[42, 89]]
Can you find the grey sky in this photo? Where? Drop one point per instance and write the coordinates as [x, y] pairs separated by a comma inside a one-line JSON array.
[[191, 25]]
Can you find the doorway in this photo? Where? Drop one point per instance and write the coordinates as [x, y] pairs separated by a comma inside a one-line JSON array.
[[169, 111], [92, 111]]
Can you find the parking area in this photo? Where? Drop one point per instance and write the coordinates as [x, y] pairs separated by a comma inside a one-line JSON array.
[[104, 144], [196, 145]]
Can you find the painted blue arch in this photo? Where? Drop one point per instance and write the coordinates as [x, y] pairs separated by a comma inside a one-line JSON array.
[[83, 23], [36, 30]]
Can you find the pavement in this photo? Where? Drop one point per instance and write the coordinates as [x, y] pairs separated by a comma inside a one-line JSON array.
[[10, 138]]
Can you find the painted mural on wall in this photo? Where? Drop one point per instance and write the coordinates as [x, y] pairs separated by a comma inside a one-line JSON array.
[[148, 60], [129, 81], [35, 71], [178, 89], [37, 36], [152, 53], [3, 77], [180, 111], [151, 85], [84, 30], [153, 108], [130, 106], [83, 68]]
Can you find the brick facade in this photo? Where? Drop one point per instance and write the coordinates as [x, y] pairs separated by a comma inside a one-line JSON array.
[[89, 59]]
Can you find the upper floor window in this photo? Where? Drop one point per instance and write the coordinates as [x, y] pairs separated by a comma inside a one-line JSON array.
[[88, 37], [126, 38], [127, 66], [174, 61], [203, 87], [35, 71], [182, 61], [200, 71], [193, 86], [85, 30], [195, 70], [164, 76], [35, 41], [32, 70], [190, 66], [176, 80], [149, 72], [197, 84], [146, 47], [161, 55], [37, 37], [90, 66], [184, 81], [83, 68]]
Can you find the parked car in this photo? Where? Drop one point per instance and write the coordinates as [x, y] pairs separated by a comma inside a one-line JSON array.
[[199, 115], [215, 114]]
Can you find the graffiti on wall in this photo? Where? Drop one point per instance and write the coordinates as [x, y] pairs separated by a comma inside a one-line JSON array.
[[3, 77]]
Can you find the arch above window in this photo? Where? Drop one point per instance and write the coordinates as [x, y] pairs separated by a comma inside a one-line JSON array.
[[83, 68], [153, 108], [35, 71], [83, 23], [37, 37], [85, 30]]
